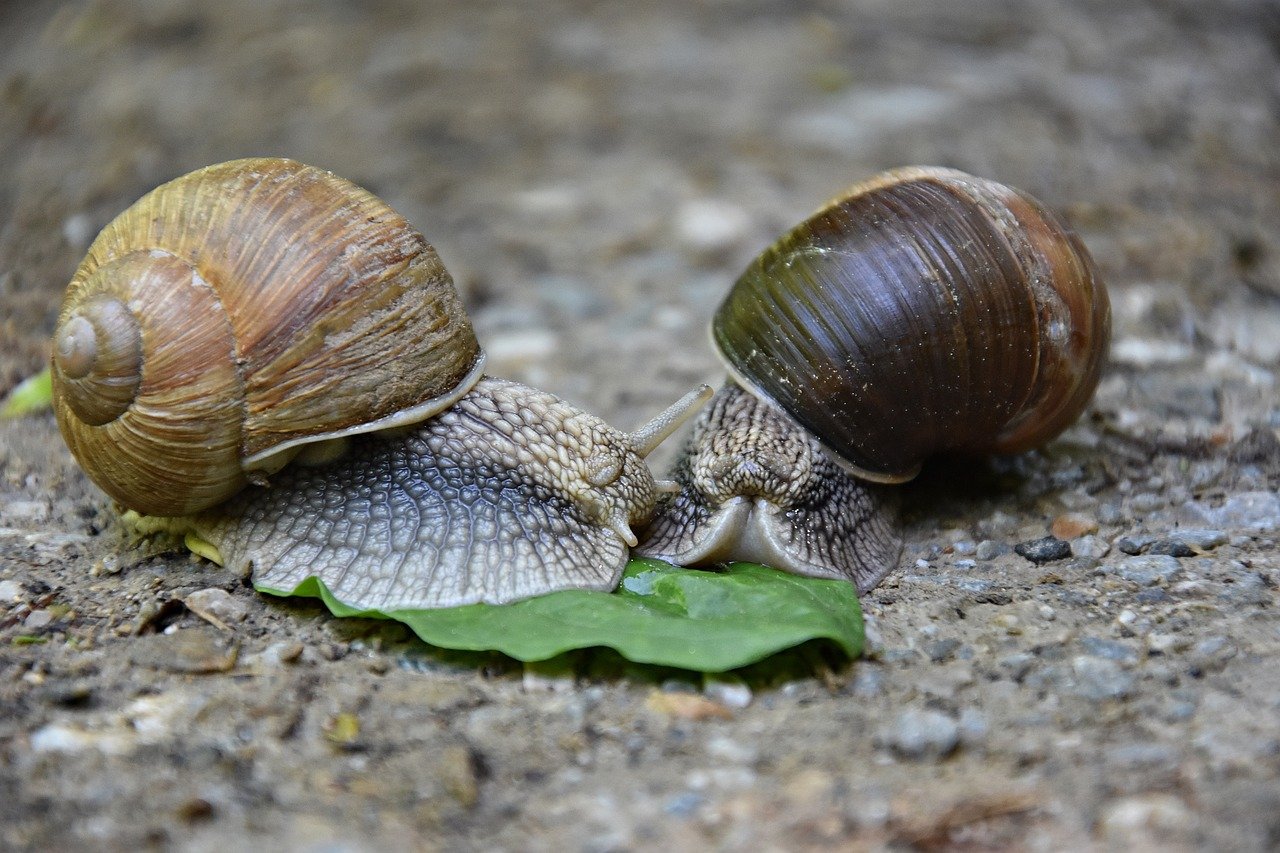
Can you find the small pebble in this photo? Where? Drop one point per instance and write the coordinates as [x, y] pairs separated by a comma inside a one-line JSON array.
[[108, 565], [732, 750], [1202, 538], [868, 682], [1252, 510], [11, 591], [1161, 643], [78, 230], [728, 691], [922, 734], [1170, 548], [1148, 570], [1152, 595], [216, 603], [1090, 546], [940, 650], [989, 550], [522, 347], [973, 726], [710, 224], [1212, 654], [1250, 588], [1109, 650], [683, 805], [1146, 822], [1110, 514], [966, 565], [1099, 678], [26, 512], [1134, 543], [37, 619], [1073, 525], [1046, 550], [203, 649]]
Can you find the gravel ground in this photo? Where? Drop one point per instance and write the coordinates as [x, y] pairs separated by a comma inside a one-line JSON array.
[[595, 176]]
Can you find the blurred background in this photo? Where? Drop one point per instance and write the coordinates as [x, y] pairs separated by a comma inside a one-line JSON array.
[[595, 174]]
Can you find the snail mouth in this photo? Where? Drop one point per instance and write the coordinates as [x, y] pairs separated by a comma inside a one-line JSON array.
[[744, 528]]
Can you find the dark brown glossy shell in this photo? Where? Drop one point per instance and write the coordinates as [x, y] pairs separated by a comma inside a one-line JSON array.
[[238, 312], [925, 310]]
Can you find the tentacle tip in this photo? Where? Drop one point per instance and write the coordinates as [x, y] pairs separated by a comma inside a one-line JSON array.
[[648, 437], [618, 524]]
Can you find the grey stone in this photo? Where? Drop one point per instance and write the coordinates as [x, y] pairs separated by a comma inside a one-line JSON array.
[[1099, 678], [1152, 595], [1109, 513], [868, 682], [940, 650], [1045, 550], [1171, 548], [1148, 570], [11, 591], [1254, 510], [1109, 650], [922, 734], [973, 726], [1203, 538], [989, 550], [1251, 588], [1135, 543], [1090, 546], [1017, 665]]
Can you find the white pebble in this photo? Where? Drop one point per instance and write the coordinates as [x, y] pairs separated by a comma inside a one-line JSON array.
[[1148, 352], [710, 224]]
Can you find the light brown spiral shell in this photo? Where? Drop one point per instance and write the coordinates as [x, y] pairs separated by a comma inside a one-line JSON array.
[[238, 312]]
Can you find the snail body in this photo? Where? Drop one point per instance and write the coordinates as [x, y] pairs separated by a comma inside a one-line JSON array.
[[261, 310], [923, 311]]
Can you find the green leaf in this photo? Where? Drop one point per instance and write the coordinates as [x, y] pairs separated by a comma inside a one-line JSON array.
[[660, 614], [32, 394]]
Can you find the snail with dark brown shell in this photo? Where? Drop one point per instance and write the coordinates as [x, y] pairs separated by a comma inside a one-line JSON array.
[[261, 312], [923, 311]]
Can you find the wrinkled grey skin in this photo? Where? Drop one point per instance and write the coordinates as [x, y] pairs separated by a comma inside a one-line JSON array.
[[753, 486], [510, 493]]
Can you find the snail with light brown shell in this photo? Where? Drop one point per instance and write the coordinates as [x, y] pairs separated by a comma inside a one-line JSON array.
[[923, 311], [266, 322]]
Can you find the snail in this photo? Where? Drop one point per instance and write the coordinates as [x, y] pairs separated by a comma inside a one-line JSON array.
[[266, 322], [923, 311]]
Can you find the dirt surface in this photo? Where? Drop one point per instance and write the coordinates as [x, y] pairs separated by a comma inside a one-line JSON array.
[[595, 175]]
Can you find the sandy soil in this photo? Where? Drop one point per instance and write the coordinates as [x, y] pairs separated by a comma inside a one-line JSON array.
[[595, 175]]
